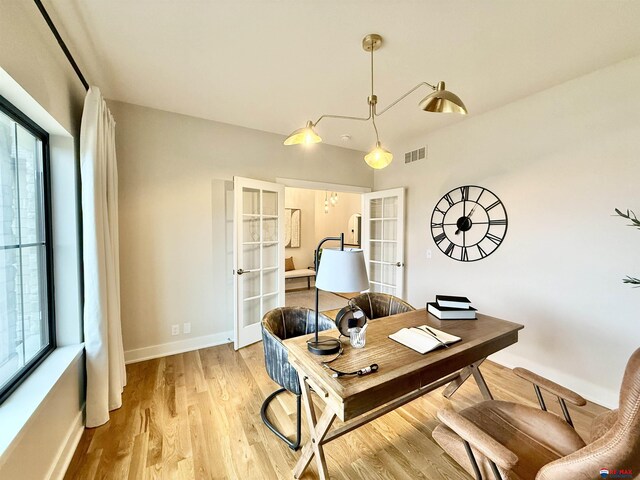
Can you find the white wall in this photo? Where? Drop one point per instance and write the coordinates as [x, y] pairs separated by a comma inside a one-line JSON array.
[[174, 217], [30, 55], [561, 161]]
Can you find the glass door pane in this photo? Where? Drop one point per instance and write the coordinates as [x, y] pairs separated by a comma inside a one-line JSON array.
[[260, 255], [383, 240]]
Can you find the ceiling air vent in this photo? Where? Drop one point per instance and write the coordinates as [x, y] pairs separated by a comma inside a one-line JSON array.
[[415, 155]]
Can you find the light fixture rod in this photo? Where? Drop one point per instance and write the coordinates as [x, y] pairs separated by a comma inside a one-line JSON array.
[[374, 46], [344, 117], [439, 101], [406, 95], [375, 127], [373, 100], [372, 72]]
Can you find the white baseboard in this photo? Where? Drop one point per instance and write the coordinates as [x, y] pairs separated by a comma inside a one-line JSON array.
[[68, 448], [173, 348], [593, 393]]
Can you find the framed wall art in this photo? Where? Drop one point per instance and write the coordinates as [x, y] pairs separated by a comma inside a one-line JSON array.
[[292, 227]]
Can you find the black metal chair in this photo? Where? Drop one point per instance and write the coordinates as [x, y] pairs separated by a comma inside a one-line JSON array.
[[278, 325]]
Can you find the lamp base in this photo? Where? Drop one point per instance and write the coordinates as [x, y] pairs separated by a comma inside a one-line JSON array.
[[324, 346]]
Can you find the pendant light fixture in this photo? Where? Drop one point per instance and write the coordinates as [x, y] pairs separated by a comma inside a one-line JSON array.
[[378, 157], [305, 136], [439, 101]]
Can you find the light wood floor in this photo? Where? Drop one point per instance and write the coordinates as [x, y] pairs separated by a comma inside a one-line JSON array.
[[197, 415]]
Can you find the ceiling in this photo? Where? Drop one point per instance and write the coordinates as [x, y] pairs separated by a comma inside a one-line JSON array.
[[273, 64]]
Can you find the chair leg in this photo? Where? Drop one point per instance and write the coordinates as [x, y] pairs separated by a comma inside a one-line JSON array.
[[496, 472], [263, 414], [472, 459], [474, 464]]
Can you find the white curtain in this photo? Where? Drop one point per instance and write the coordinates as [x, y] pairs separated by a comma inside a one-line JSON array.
[[106, 375]]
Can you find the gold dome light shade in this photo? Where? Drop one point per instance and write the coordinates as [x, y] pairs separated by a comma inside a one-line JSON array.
[[443, 101], [378, 158], [305, 136]]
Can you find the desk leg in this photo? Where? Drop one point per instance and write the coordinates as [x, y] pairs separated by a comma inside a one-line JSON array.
[[482, 385], [465, 373], [317, 432], [457, 383]]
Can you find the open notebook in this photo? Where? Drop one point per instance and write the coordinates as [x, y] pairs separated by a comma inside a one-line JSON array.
[[423, 339]]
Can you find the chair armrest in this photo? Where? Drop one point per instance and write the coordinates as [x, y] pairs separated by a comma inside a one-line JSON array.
[[551, 387], [276, 362], [478, 439]]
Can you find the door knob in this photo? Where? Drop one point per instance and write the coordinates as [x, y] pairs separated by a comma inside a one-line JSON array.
[[399, 264], [241, 271]]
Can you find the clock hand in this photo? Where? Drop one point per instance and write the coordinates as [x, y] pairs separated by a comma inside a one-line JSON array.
[[473, 210], [464, 213], [466, 218], [457, 232]]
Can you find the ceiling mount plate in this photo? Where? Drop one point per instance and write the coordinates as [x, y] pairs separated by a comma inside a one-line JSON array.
[[373, 41]]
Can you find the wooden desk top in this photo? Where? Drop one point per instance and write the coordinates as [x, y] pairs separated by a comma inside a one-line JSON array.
[[401, 369]]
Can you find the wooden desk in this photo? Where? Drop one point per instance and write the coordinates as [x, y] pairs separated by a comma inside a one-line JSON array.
[[403, 374]]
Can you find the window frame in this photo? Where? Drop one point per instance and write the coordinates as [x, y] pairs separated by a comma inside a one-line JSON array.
[[24, 121]]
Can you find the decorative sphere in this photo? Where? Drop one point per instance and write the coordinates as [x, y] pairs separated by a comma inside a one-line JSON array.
[[350, 316]]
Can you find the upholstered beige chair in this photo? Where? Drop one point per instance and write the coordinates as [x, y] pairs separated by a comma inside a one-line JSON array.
[[516, 442], [376, 305]]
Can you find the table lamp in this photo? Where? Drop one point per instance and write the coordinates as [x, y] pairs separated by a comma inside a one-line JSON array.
[[340, 271]]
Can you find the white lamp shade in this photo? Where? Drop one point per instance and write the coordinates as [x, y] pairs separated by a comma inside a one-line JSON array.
[[342, 271]]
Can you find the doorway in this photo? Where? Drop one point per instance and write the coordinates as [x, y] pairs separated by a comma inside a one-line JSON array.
[[311, 215], [268, 227]]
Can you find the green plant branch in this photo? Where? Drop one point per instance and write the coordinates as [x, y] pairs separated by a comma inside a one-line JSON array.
[[630, 216], [634, 223]]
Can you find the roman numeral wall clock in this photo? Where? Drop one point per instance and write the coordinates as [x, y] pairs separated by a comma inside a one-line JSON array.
[[469, 223]]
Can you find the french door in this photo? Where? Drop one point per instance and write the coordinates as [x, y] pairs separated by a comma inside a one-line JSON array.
[[258, 255], [383, 240]]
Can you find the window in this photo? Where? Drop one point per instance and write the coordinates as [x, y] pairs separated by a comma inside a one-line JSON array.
[[27, 332]]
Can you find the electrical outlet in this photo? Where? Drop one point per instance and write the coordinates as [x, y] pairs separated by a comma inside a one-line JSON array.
[[175, 329], [186, 328], [428, 253]]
